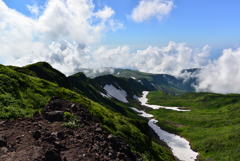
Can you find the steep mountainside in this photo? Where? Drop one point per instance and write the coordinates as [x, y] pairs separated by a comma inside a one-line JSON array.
[[22, 95], [131, 87], [92, 88], [45, 71]]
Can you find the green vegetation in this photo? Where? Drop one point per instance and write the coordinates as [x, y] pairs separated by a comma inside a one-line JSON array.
[[71, 121], [212, 126], [45, 71], [23, 95]]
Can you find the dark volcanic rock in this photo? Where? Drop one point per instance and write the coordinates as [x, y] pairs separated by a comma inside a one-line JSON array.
[[54, 116], [61, 135], [44, 138], [36, 135], [3, 141], [52, 155]]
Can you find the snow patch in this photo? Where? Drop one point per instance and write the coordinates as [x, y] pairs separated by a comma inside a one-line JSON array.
[[180, 146], [104, 95], [119, 94], [142, 113], [144, 101], [133, 78]]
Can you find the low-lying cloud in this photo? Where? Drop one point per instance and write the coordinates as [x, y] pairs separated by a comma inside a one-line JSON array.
[[171, 58], [222, 75]]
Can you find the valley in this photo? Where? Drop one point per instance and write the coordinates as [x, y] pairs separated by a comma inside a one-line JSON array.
[[212, 125], [193, 125]]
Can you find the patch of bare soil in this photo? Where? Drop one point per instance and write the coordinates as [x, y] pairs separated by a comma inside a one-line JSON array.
[[44, 138]]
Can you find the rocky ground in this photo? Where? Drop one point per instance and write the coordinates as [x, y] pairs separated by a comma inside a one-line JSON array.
[[45, 138]]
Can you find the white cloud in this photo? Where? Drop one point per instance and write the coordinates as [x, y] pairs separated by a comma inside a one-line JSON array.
[[66, 29], [60, 35], [223, 75], [34, 9], [167, 59], [146, 9], [106, 13]]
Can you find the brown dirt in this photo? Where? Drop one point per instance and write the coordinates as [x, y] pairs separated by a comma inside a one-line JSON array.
[[44, 138]]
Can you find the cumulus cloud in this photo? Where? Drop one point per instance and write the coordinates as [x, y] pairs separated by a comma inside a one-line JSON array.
[[147, 9], [34, 9], [60, 35], [169, 59], [223, 75], [106, 13]]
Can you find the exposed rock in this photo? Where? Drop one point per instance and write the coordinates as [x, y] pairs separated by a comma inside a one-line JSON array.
[[3, 150], [36, 135], [3, 141], [44, 138], [52, 155], [98, 129], [61, 135], [54, 116]]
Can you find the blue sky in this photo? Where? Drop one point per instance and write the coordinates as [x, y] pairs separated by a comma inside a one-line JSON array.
[[213, 22], [156, 36]]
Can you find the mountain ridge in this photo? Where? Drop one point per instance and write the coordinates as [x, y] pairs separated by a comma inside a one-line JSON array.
[[23, 95]]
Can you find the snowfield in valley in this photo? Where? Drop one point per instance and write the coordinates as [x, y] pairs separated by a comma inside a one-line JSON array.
[[180, 147], [144, 101]]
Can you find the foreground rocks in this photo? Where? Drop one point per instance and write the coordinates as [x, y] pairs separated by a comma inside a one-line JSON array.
[[44, 138]]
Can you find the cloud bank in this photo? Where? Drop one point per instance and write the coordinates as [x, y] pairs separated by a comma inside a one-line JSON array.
[[171, 58], [147, 9], [223, 75]]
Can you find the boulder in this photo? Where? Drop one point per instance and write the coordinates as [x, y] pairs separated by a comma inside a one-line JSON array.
[[3, 142], [52, 155], [54, 116], [36, 135]]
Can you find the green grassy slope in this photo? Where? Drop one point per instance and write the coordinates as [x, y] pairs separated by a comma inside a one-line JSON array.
[[45, 71], [92, 88], [212, 126], [77, 82], [22, 95]]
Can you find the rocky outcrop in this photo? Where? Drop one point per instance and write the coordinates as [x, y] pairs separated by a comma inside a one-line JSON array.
[[45, 138]]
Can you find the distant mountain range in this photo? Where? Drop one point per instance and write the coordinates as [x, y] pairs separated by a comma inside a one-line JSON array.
[[165, 82]]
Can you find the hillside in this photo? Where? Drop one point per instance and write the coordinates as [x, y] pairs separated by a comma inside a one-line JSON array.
[[55, 136], [91, 88], [24, 95], [45, 71], [129, 85], [212, 125]]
